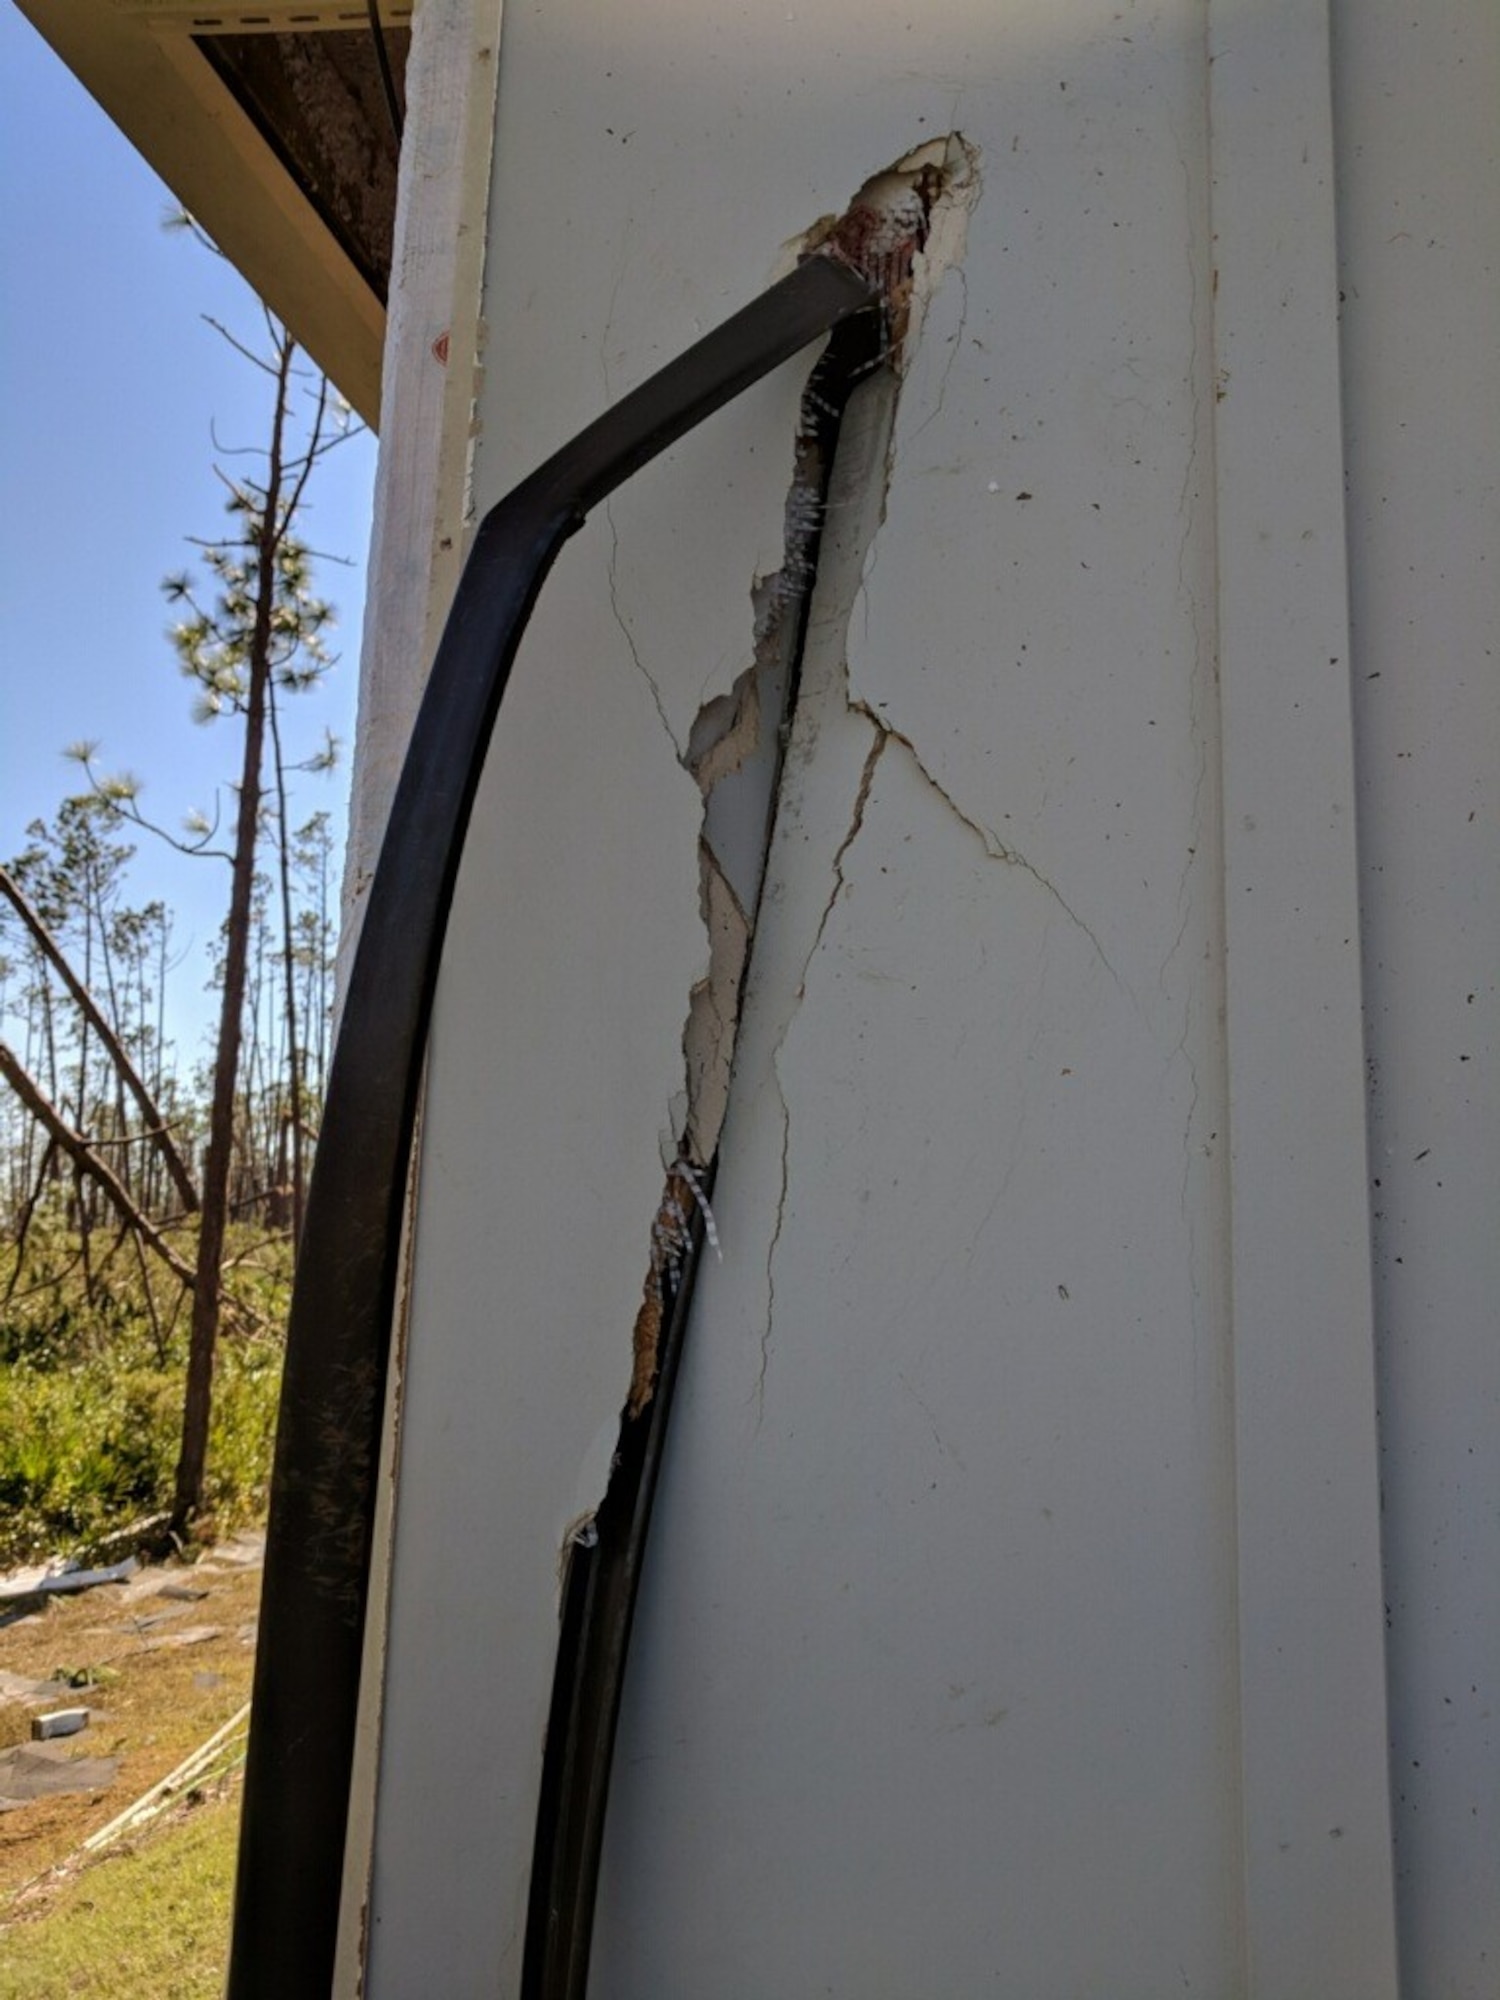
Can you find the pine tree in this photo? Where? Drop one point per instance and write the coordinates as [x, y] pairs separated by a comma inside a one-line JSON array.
[[262, 633]]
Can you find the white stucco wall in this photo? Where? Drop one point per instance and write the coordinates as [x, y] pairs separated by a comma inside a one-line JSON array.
[[1014, 1620]]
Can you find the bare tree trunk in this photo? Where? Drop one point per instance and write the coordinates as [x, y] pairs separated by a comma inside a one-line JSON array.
[[24, 1228], [155, 1317], [85, 1249], [204, 1332], [81, 1108], [289, 964]]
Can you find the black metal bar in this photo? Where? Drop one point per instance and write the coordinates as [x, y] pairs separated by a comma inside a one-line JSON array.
[[603, 1581], [599, 1600], [387, 76], [307, 1676]]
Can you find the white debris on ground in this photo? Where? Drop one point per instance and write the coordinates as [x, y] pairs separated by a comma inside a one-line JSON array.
[[154, 1601]]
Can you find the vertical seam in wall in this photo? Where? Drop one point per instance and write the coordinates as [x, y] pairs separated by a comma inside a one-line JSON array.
[[1208, 281], [1312, 1712]]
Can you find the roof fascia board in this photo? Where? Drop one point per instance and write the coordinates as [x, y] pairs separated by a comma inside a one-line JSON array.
[[141, 66]]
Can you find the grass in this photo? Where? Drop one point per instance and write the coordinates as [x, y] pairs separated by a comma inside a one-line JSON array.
[[150, 1917], [91, 1388], [91, 1396]]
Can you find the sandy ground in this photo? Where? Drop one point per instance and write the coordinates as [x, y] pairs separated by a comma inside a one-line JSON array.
[[160, 1661]]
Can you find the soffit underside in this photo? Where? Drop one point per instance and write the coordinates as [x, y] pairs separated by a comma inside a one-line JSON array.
[[273, 127]]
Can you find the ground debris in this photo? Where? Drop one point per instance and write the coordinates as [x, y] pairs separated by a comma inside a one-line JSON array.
[[168, 1688], [37, 1770], [58, 1722], [24, 1591]]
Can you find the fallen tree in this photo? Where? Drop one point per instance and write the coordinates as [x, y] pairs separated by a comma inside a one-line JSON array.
[[87, 1160], [157, 1130]]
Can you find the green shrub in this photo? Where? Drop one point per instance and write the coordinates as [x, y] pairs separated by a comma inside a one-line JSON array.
[[91, 1404]]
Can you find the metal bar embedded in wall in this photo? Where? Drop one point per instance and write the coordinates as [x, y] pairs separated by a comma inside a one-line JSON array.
[[316, 1587], [603, 1578]]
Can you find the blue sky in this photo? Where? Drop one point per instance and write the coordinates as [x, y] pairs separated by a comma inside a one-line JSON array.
[[112, 391]]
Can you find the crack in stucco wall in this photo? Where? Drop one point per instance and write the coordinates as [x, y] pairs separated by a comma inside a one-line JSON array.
[[878, 741], [994, 847], [903, 229], [953, 189], [856, 823], [900, 232], [906, 734], [612, 576]]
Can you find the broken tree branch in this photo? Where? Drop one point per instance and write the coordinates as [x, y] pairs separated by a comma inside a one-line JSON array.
[[157, 1128], [83, 1156]]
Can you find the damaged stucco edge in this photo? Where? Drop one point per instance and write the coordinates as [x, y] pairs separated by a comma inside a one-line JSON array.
[[904, 229], [433, 362], [846, 608]]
